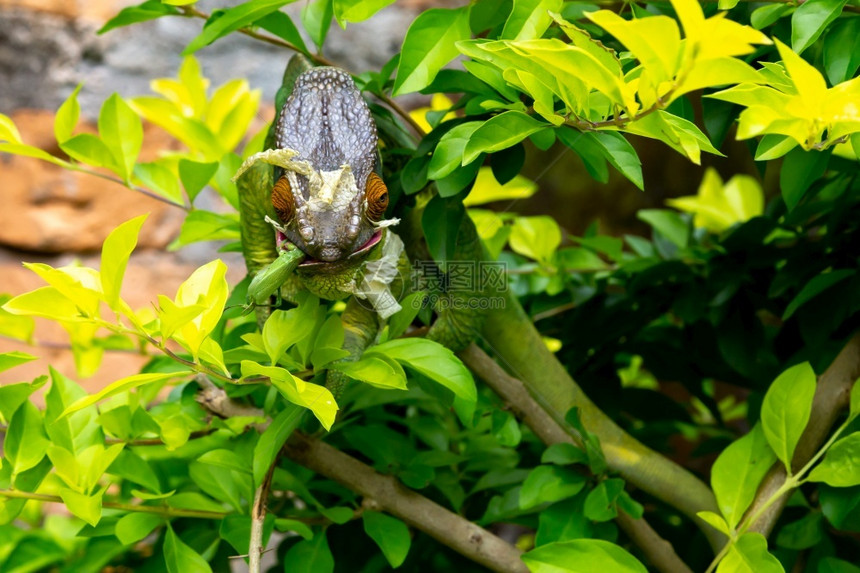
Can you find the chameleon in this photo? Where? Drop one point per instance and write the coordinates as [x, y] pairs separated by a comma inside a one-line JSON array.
[[313, 209]]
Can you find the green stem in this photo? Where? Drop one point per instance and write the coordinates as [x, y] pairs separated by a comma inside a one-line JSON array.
[[512, 336], [159, 510]]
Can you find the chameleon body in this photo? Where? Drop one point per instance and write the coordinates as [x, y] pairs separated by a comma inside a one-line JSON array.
[[312, 209]]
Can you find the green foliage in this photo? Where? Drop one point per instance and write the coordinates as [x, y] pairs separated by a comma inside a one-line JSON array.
[[719, 301]]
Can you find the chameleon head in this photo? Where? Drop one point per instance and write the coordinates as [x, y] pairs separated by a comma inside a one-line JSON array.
[[329, 209]]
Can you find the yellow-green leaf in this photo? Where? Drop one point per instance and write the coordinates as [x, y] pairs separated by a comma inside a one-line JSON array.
[[121, 131], [122, 385], [529, 19], [428, 46], [486, 189], [67, 116], [207, 286], [8, 130], [314, 397], [116, 250], [535, 237]]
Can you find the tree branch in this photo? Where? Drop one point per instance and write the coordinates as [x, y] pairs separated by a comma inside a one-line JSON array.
[[258, 517], [831, 397], [390, 495], [657, 550], [511, 335]]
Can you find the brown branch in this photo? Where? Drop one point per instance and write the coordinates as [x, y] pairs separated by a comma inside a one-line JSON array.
[[831, 397], [450, 529], [657, 550], [258, 517], [215, 400]]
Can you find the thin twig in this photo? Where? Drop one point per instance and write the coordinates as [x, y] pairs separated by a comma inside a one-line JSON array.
[[657, 550], [387, 493], [159, 510], [129, 185]]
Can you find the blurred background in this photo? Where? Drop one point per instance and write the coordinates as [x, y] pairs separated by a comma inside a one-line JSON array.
[[48, 47]]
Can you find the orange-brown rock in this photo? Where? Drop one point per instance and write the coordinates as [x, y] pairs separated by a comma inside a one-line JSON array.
[[49, 209]]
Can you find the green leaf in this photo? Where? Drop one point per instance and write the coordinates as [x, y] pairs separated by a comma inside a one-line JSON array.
[[200, 225], [802, 534], [548, 484], [159, 179], [749, 555], [195, 176], [834, 565], [207, 286], [67, 116], [581, 556], [11, 359], [432, 360], [764, 16], [230, 20], [810, 19], [715, 521], [180, 558], [428, 46], [841, 464], [600, 503], [563, 454], [284, 328], [786, 408], [316, 398], [76, 432], [149, 10], [116, 251], [8, 130], [133, 527], [727, 4], [374, 370], [800, 169], [15, 327], [841, 50], [357, 10], [89, 149], [122, 385], [854, 407], [312, 556], [500, 132], [273, 439], [737, 473], [529, 19], [441, 224], [390, 534], [535, 237], [316, 19], [487, 189], [620, 154], [281, 26], [814, 287], [25, 443], [448, 154], [86, 507], [122, 133], [667, 223]]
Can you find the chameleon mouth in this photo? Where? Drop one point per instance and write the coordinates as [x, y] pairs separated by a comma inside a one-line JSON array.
[[362, 250]]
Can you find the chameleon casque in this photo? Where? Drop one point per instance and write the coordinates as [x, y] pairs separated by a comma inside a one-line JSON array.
[[313, 208]]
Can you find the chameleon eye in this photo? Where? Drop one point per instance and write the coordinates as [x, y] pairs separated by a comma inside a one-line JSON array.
[[282, 200], [377, 197]]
